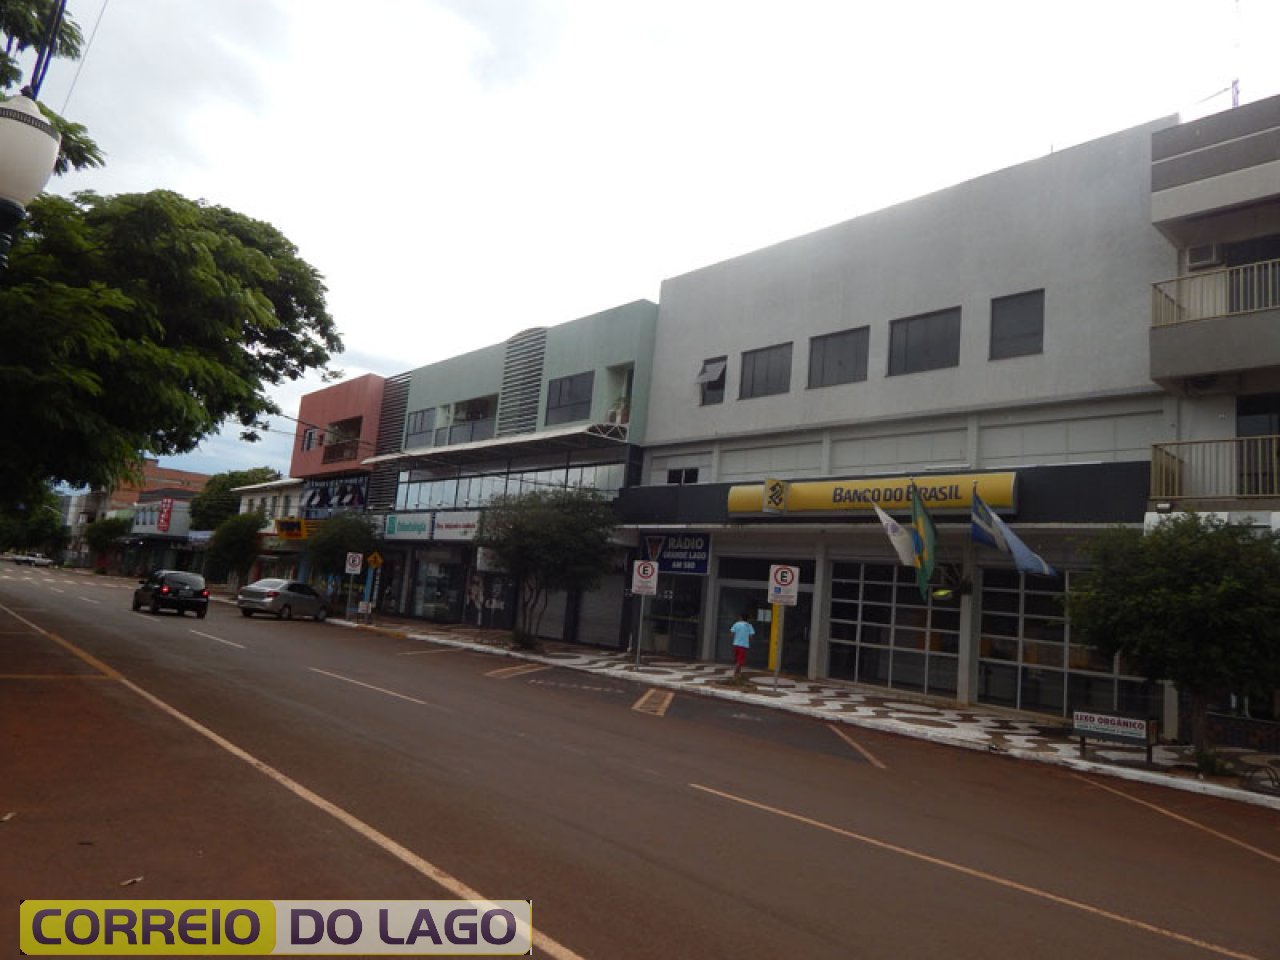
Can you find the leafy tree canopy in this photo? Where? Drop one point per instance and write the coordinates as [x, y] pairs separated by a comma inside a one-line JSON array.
[[35, 523], [234, 543], [334, 538], [549, 540], [142, 322], [1195, 601], [23, 27], [101, 534], [216, 502]]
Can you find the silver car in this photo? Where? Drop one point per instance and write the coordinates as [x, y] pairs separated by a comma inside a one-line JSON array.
[[283, 599]]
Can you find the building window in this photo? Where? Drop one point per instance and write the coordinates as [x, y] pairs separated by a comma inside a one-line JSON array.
[[309, 438], [683, 475], [838, 357], [343, 442], [1017, 325], [420, 428], [569, 398], [766, 372], [710, 380], [930, 341]]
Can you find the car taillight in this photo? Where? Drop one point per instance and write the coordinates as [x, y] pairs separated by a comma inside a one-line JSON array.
[[272, 594], [165, 588], [205, 594]]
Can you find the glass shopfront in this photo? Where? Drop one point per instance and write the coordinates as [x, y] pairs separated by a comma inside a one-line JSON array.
[[744, 589], [884, 633], [1027, 659]]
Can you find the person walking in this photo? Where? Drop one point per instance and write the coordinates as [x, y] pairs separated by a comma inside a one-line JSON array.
[[742, 631]]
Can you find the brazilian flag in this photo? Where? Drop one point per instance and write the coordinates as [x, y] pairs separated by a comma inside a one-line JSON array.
[[924, 540]]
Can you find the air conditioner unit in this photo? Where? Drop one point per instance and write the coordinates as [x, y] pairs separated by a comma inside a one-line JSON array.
[[1204, 256]]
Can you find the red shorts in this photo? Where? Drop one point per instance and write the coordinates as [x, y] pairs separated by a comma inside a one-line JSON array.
[[740, 655]]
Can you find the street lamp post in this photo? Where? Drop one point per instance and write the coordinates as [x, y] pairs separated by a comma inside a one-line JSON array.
[[28, 151]]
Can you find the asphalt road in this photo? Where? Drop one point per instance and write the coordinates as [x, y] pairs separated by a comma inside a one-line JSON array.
[[168, 757]]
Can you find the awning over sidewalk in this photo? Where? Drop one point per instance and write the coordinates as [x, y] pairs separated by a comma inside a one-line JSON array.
[[591, 436]]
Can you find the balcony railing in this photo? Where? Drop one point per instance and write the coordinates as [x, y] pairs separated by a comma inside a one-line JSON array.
[[1240, 469], [1217, 293], [339, 451]]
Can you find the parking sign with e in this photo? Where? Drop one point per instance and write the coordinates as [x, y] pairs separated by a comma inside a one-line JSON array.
[[784, 584], [644, 578], [354, 562]]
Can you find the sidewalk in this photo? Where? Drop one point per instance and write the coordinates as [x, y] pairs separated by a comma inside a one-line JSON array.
[[1026, 737]]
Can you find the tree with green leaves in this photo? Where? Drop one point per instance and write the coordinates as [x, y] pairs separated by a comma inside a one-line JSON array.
[[103, 535], [236, 542], [217, 501], [334, 538], [137, 324], [1195, 601], [37, 524], [141, 323], [549, 540]]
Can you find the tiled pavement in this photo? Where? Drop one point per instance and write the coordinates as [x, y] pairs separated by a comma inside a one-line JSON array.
[[1256, 778]]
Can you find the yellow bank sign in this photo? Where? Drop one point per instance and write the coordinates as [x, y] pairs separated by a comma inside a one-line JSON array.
[[939, 492]]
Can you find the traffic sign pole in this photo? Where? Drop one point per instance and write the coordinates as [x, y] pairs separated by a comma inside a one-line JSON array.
[[644, 584]]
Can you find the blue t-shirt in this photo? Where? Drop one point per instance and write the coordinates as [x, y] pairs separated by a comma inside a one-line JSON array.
[[742, 633]]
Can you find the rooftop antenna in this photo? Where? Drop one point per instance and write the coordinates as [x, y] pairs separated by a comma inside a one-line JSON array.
[[1235, 81]]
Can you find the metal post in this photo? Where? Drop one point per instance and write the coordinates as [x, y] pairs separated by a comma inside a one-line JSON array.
[[775, 641], [640, 626]]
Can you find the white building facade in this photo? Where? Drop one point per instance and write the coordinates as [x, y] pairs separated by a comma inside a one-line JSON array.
[[1086, 338]]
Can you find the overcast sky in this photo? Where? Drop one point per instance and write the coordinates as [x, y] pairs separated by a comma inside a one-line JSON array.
[[460, 170]]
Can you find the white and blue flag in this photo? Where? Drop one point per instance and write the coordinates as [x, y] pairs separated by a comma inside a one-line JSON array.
[[986, 528]]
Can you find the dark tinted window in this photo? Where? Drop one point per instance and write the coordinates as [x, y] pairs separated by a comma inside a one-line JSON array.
[[569, 398], [1017, 325], [766, 372], [185, 580], [838, 357], [930, 341]]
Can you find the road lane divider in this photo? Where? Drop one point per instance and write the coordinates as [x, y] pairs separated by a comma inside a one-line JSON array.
[[370, 686], [866, 754], [210, 636], [982, 875], [507, 673], [654, 702]]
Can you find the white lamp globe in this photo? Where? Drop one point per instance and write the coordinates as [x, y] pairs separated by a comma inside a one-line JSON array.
[[28, 150]]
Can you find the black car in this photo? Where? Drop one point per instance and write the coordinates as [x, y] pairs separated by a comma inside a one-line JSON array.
[[172, 590]]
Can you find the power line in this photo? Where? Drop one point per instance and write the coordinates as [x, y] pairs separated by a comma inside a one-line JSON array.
[[84, 55]]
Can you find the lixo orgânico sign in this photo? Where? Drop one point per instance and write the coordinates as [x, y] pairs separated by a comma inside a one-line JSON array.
[[1091, 725]]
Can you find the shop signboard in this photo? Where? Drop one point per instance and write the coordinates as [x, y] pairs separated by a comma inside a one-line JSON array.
[[456, 525], [680, 552], [408, 526]]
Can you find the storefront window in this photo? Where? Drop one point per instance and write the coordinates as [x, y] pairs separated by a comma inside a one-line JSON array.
[[1027, 660], [883, 632]]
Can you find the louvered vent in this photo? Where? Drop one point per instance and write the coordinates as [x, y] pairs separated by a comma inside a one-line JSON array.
[[395, 402], [522, 382]]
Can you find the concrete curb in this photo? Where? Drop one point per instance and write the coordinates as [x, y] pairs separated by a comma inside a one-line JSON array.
[[1071, 763]]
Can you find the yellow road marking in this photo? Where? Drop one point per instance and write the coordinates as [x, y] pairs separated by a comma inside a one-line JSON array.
[[506, 673], [866, 754], [654, 702], [54, 676], [983, 875], [1179, 817], [426, 868]]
